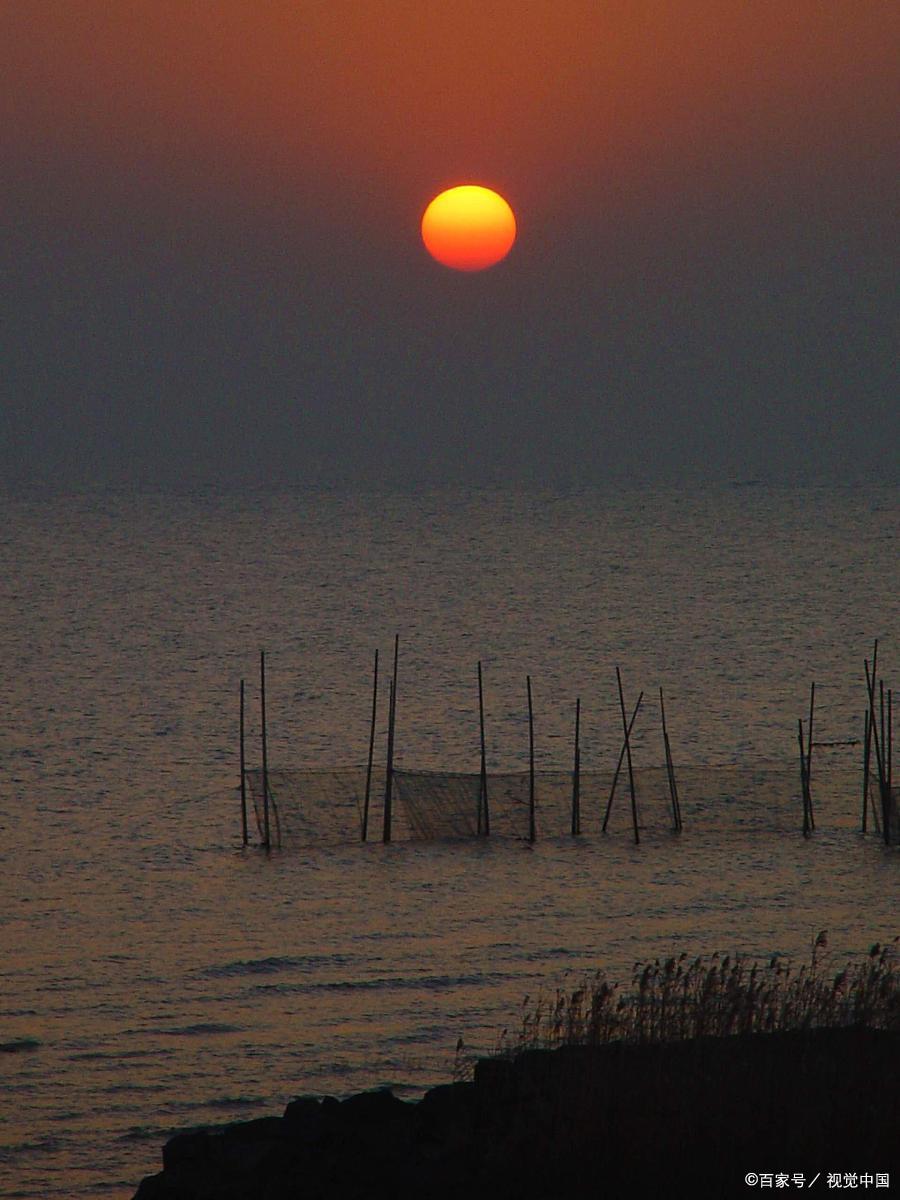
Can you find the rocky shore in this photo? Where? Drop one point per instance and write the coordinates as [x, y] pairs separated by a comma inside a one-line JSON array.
[[686, 1118]]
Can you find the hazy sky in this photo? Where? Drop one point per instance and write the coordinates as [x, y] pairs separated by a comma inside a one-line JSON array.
[[212, 267]]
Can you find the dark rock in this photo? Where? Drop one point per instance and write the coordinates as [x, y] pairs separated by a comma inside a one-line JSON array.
[[374, 1108], [262, 1129], [641, 1120], [302, 1110], [196, 1148]]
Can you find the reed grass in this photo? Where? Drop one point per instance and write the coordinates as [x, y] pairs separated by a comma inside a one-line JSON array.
[[716, 996]]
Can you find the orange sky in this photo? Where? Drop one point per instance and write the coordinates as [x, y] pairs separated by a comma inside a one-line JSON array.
[[211, 236], [548, 101]]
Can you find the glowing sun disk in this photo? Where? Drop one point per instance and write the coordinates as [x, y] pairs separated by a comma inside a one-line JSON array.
[[468, 228]]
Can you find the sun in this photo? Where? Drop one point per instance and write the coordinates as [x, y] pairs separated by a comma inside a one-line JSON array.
[[468, 228]]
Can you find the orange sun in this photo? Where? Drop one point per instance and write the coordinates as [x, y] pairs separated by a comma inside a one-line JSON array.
[[468, 228]]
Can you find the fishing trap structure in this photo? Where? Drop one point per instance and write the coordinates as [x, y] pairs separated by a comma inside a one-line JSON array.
[[298, 808]]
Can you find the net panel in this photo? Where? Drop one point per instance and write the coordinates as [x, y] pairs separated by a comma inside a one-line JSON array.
[[437, 804], [314, 807], [309, 807]]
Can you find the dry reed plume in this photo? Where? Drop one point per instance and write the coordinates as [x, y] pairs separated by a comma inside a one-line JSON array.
[[714, 996]]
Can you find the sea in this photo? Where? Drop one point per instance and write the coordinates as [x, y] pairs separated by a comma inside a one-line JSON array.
[[157, 975]]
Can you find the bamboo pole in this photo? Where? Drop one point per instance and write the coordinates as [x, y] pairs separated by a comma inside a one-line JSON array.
[[809, 746], [612, 790], [870, 690], [576, 773], [868, 798], [662, 715], [670, 767], [634, 816], [885, 794], [392, 722], [277, 821], [890, 737], [243, 774], [873, 726], [866, 752], [889, 754], [365, 820], [484, 815], [803, 785], [532, 833], [389, 768], [265, 754]]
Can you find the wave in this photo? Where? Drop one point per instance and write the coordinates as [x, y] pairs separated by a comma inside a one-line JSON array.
[[428, 983], [201, 1029], [19, 1045], [274, 965]]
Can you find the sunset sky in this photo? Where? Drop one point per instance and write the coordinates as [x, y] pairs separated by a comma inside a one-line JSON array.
[[212, 268]]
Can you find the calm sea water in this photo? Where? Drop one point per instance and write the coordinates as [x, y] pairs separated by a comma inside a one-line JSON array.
[[155, 975]]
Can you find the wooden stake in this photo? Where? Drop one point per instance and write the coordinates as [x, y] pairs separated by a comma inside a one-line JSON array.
[[484, 815], [265, 756], [612, 790], [531, 822], [243, 774], [576, 774], [634, 816], [365, 820]]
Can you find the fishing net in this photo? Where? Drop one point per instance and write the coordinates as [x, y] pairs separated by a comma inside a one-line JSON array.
[[308, 807]]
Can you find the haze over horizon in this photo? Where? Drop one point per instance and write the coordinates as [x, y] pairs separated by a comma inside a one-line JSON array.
[[213, 272]]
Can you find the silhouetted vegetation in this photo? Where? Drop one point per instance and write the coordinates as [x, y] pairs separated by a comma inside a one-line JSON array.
[[715, 996], [638, 1093]]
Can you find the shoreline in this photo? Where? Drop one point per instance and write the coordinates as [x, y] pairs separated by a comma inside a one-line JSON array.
[[623, 1119]]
